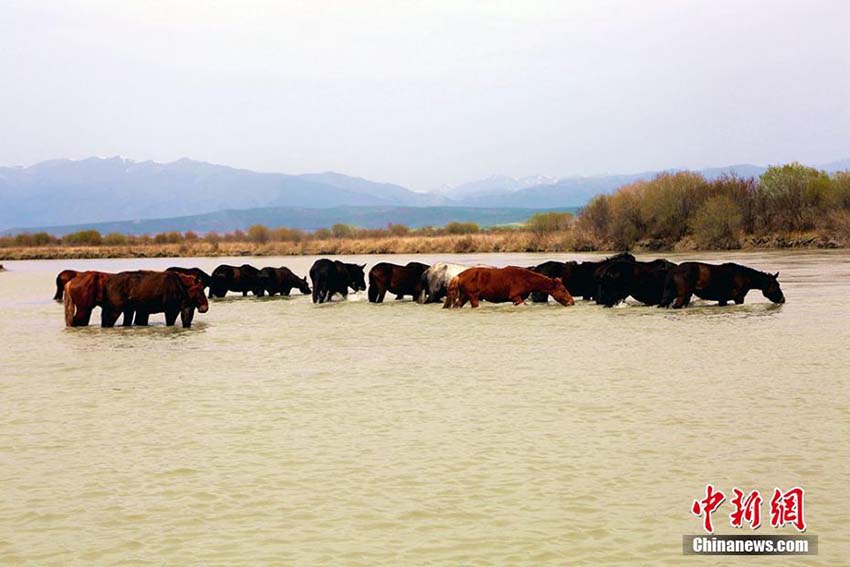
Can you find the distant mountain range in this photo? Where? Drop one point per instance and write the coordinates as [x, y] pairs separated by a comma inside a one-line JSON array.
[[65, 193], [305, 219]]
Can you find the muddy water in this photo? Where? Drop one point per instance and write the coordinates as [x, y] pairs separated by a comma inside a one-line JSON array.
[[276, 431]]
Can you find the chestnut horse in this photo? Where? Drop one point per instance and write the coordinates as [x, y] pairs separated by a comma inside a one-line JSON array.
[[82, 294], [64, 277], [722, 283], [498, 285]]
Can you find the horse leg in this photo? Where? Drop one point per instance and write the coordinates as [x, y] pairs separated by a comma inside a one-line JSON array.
[[518, 300], [107, 317], [141, 318], [171, 317], [682, 301], [186, 316], [128, 318], [245, 293], [722, 302], [83, 318]]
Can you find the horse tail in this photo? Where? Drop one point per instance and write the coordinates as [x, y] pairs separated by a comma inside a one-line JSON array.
[[60, 288], [670, 292], [452, 294], [373, 287], [69, 306]]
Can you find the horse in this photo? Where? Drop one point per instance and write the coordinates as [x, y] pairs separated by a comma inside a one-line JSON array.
[[61, 279], [435, 280], [498, 285], [721, 283], [644, 281], [138, 294], [579, 278], [81, 295], [282, 280], [242, 278], [398, 280], [332, 276], [205, 278]]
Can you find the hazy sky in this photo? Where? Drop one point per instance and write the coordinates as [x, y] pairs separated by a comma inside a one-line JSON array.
[[426, 93]]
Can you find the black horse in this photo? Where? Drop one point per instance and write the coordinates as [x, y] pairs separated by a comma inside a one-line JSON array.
[[231, 278], [332, 276], [282, 280], [724, 283], [644, 281], [579, 278]]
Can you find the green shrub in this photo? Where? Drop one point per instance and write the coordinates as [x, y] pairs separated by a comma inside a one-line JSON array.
[[115, 239], [340, 230], [794, 195], [398, 229], [543, 223], [172, 237], [34, 239], [462, 228], [718, 223], [83, 238]]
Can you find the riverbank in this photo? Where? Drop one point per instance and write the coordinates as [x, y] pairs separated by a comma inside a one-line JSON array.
[[507, 241]]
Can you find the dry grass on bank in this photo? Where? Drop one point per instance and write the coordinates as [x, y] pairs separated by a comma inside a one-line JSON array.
[[506, 241]]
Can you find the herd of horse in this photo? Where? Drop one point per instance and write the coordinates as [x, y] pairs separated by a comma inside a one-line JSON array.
[[180, 291]]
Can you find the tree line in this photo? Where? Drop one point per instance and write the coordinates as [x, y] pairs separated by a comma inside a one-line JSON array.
[[657, 213], [716, 213], [258, 234]]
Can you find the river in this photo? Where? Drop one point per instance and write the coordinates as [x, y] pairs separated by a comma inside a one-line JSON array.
[[276, 431]]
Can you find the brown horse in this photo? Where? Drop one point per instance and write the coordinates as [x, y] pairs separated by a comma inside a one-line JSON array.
[[398, 280], [721, 283], [64, 277], [503, 284], [82, 294], [141, 293]]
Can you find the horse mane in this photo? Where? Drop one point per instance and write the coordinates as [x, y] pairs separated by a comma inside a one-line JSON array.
[[752, 273]]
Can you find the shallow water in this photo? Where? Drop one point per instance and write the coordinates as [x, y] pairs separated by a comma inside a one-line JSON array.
[[275, 431]]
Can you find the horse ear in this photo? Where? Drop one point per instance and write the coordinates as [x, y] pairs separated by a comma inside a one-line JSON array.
[[363, 266], [559, 280], [776, 275]]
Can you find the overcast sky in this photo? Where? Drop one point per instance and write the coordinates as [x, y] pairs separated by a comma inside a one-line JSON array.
[[427, 93]]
